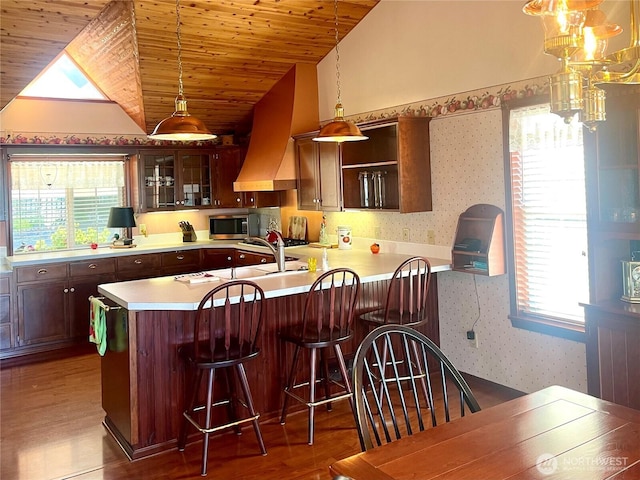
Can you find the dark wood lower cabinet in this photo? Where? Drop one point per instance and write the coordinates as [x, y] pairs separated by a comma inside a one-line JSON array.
[[613, 352], [143, 387], [6, 313], [53, 304], [43, 314]]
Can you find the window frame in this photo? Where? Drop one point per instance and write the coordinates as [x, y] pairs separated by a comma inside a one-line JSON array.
[[129, 155], [547, 325]]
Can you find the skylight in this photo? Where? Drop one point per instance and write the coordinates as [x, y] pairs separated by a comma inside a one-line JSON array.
[[63, 79]]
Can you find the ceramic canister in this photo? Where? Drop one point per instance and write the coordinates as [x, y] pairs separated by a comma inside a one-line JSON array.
[[344, 237]]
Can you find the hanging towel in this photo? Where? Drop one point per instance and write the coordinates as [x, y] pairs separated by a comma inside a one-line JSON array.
[[120, 342], [98, 324]]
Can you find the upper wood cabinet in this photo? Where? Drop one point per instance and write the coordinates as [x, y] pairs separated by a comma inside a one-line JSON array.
[[318, 181], [226, 164], [392, 169], [173, 179], [195, 178]]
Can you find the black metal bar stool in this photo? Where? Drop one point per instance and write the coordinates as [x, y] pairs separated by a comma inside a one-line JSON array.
[[326, 323], [226, 329]]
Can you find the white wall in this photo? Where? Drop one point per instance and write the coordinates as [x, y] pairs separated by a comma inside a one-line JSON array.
[[409, 53], [409, 50], [51, 116]]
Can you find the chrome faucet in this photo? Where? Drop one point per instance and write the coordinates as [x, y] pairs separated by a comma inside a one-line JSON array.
[[277, 251]]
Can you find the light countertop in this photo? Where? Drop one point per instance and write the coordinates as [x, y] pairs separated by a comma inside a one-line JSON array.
[[166, 293], [106, 252]]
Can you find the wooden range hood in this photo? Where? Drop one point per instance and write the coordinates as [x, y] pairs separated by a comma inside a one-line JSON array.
[[289, 108]]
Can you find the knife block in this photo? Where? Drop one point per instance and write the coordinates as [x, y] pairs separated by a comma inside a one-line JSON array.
[[189, 236]]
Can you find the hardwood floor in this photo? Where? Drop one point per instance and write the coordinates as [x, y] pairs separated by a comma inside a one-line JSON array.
[[51, 429]]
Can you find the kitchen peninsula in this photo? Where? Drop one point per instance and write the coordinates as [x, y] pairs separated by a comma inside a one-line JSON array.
[[143, 376]]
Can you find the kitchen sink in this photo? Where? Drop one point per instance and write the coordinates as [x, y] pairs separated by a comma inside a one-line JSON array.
[[257, 271]]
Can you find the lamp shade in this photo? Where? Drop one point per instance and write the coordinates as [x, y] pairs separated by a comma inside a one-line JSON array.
[[121, 217], [181, 126], [340, 130]]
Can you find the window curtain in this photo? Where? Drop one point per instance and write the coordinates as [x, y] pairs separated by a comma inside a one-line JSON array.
[[47, 173]]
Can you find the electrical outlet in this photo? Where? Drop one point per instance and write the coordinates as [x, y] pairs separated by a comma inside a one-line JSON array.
[[472, 337], [405, 234], [431, 237], [376, 232]]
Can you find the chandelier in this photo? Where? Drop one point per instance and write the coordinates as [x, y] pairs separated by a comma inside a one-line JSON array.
[[577, 33]]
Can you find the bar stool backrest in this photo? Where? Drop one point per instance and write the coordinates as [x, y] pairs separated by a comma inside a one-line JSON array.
[[407, 295], [330, 305], [228, 322]]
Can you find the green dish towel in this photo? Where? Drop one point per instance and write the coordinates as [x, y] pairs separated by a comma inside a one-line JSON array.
[[98, 324]]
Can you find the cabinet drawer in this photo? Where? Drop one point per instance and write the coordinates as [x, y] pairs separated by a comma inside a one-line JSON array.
[[52, 271], [187, 257], [137, 262], [4, 285], [133, 267], [92, 267]]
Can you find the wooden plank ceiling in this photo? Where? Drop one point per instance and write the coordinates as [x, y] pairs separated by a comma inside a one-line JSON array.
[[233, 51]]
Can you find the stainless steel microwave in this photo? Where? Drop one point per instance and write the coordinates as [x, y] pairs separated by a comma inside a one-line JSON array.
[[233, 227]]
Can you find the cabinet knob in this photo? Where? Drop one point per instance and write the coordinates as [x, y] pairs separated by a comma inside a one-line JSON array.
[[180, 257], [228, 259], [66, 290], [73, 289], [93, 266], [252, 200], [263, 260], [238, 199], [42, 271], [242, 256], [137, 261]]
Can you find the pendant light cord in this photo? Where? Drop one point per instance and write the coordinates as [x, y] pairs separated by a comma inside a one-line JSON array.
[[180, 89], [335, 14]]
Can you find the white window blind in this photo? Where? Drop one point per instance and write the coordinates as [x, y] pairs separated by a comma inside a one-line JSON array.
[[59, 204], [549, 214]]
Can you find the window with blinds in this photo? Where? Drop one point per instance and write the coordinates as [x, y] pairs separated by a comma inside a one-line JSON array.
[[63, 203], [548, 217]]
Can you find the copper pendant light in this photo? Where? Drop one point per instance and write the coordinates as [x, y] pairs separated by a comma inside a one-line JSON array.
[[181, 126], [339, 130]]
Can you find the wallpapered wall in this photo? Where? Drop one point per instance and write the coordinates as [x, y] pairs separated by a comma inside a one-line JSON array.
[[467, 168]]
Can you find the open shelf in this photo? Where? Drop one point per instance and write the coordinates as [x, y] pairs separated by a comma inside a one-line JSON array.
[[478, 246]]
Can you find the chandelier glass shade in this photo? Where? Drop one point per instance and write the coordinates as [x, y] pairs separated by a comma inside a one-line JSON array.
[[339, 130], [577, 32], [181, 126]]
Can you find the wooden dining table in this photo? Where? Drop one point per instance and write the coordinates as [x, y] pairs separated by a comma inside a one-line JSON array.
[[554, 433]]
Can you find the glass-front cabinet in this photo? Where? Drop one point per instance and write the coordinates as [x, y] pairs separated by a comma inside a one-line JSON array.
[[618, 172], [175, 179]]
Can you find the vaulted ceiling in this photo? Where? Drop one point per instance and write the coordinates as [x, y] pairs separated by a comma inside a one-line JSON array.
[[233, 51]]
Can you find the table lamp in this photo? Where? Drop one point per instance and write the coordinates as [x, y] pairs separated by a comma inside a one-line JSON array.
[[122, 217]]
